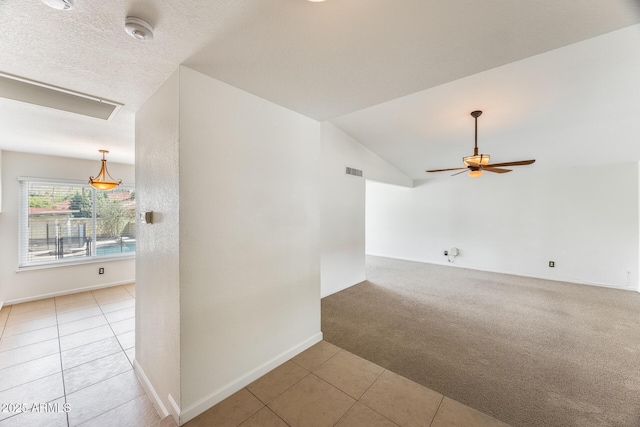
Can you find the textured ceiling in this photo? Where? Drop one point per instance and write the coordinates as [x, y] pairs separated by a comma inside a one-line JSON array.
[[323, 60]]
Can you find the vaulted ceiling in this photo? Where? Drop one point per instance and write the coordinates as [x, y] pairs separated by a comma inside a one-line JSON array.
[[401, 76]]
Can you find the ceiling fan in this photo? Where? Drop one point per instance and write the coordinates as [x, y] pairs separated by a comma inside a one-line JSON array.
[[478, 163]]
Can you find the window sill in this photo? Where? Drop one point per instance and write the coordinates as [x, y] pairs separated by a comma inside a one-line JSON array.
[[76, 262]]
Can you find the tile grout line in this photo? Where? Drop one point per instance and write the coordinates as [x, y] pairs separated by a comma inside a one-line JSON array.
[[346, 412], [101, 357], [26, 345], [65, 391], [114, 332], [29, 382], [61, 367], [374, 381], [267, 404], [134, 297], [104, 379], [112, 409], [365, 392], [64, 387], [26, 321], [32, 360], [6, 319], [347, 394], [79, 332], [323, 363], [111, 328], [57, 325], [35, 309], [436, 413], [121, 349], [264, 405]]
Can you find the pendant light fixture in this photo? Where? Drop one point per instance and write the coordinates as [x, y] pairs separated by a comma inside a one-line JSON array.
[[104, 181]]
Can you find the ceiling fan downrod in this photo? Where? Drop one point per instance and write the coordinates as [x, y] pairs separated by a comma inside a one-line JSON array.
[[475, 115]]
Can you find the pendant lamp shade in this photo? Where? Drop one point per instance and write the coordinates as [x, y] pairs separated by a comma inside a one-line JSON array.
[[104, 181]]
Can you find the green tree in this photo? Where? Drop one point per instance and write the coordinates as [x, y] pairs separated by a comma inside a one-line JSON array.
[[81, 203], [40, 202], [112, 216]]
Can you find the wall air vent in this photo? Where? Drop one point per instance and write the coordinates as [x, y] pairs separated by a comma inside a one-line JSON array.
[[32, 92], [353, 171]]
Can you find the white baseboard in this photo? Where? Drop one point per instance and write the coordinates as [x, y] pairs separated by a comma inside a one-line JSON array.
[[225, 391], [151, 392], [1, 304], [554, 279], [341, 288], [69, 291], [174, 409]]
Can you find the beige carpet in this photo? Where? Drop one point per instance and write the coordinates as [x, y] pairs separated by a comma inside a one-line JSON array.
[[529, 352]]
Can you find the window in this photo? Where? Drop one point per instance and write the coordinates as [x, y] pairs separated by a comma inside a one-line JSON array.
[[65, 222]]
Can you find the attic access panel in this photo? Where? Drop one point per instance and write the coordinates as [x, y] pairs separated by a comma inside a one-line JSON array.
[[32, 92]]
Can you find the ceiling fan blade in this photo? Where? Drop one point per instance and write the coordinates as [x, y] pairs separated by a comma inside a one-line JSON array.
[[517, 163], [496, 170], [458, 173], [444, 170]]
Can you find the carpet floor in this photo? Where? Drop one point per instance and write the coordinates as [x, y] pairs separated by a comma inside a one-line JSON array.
[[526, 351]]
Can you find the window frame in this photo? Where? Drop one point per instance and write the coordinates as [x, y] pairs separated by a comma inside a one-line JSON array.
[[23, 226]]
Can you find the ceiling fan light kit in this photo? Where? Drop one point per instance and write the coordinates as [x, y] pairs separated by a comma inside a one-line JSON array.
[[478, 163], [482, 159]]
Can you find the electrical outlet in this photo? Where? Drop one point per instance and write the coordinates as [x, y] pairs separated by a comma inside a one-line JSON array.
[[101, 270], [552, 264], [446, 253]]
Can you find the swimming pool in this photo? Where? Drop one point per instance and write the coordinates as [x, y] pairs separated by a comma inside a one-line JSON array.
[[116, 248]]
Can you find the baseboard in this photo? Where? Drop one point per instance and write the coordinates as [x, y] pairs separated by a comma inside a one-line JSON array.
[[225, 391], [341, 288], [70, 291], [151, 392], [174, 409], [554, 279], [1, 304]]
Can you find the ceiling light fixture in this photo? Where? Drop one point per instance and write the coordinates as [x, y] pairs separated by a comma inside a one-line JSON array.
[[59, 4], [104, 181], [138, 29], [478, 163]]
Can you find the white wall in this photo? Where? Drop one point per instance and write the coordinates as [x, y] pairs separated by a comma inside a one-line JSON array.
[[0, 185], [249, 237], [343, 206], [157, 252], [41, 283], [583, 218], [233, 261]]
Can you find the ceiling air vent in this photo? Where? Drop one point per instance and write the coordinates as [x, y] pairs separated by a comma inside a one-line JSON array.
[[32, 92], [354, 171]]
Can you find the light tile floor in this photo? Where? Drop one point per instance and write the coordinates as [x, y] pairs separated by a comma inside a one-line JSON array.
[[78, 350], [326, 386]]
